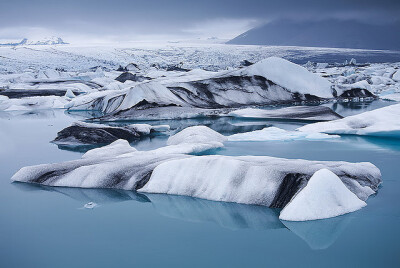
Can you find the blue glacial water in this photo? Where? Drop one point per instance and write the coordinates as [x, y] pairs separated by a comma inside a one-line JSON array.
[[48, 226]]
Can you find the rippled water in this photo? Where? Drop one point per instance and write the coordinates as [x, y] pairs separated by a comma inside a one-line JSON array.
[[48, 226]]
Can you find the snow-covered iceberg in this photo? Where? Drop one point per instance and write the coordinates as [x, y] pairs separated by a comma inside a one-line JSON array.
[[313, 113], [118, 100], [380, 122], [278, 134], [324, 196], [80, 133], [258, 180], [269, 81]]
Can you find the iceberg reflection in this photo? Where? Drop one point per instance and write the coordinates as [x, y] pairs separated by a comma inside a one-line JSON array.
[[320, 234]]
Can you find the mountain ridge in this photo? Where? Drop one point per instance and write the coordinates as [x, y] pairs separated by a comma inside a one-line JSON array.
[[324, 33]]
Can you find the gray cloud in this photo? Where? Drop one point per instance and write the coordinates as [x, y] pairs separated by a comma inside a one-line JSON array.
[[138, 18]]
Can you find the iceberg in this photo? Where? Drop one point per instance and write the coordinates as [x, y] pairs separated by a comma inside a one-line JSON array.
[[154, 112], [382, 122], [313, 113], [391, 97], [81, 133], [196, 134], [32, 103], [291, 76], [256, 180], [118, 100], [324, 196], [278, 134], [269, 81]]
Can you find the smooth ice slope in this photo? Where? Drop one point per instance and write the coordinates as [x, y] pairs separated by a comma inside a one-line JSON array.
[[324, 196], [290, 76], [196, 134], [380, 122]]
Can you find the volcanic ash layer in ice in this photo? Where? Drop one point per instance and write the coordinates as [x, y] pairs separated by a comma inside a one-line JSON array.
[[324, 196], [380, 122], [258, 180], [80, 133], [313, 113]]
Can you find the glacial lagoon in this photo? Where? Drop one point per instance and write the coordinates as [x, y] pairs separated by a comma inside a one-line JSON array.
[[51, 227]]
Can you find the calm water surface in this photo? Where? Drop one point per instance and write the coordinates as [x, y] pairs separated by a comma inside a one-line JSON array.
[[47, 227]]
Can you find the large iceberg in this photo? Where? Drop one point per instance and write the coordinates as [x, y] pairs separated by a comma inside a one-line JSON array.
[[260, 83], [324, 196], [258, 180], [175, 169], [380, 122]]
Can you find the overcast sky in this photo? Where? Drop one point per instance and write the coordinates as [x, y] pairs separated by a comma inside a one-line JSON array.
[[104, 20]]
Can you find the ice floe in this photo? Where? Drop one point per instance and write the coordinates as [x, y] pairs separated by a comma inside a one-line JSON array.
[[380, 122], [324, 196], [278, 134], [314, 113], [88, 133], [32, 103]]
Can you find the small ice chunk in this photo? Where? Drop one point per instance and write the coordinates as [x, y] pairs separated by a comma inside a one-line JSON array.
[[324, 196], [118, 147], [380, 122], [69, 94], [90, 205], [196, 134]]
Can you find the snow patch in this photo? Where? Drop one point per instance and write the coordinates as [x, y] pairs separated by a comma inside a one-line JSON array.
[[324, 196]]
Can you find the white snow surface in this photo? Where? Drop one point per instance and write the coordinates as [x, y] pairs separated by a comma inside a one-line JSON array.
[[117, 100], [278, 134], [290, 76], [380, 122], [324, 196], [392, 97], [118, 147]]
